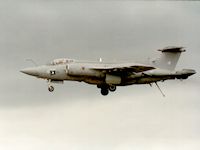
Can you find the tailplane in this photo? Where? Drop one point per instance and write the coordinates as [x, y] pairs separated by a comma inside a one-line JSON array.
[[169, 58]]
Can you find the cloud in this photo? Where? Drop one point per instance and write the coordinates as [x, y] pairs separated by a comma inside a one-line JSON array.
[[129, 121]]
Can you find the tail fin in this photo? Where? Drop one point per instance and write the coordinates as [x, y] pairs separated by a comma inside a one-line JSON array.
[[169, 58]]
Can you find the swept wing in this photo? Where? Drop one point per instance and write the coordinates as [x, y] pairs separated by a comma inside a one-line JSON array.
[[123, 68]]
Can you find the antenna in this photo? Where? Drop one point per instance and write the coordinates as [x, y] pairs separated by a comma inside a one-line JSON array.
[[100, 59], [31, 60], [160, 89]]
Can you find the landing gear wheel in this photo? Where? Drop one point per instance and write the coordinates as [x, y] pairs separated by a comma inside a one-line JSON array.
[[51, 88], [112, 88], [104, 92]]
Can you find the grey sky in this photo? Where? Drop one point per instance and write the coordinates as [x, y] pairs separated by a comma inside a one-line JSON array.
[[76, 116]]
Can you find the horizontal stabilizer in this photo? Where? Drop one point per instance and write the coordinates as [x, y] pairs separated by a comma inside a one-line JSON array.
[[172, 49]]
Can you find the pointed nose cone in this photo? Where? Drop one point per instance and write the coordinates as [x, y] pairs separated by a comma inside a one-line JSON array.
[[30, 71]]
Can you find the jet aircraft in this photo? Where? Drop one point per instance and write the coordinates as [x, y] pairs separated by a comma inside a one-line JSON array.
[[107, 76]]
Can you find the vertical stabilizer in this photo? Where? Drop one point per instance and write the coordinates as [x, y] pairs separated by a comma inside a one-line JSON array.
[[169, 58]]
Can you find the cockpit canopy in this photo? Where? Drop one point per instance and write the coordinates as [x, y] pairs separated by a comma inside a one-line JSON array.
[[61, 61]]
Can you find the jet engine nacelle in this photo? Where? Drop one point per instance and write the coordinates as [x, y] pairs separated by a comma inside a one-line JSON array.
[[78, 70], [111, 79], [185, 73]]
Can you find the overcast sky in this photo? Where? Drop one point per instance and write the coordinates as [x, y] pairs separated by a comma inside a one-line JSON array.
[[76, 116]]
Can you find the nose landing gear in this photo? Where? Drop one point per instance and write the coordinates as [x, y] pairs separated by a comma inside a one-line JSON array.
[[51, 88]]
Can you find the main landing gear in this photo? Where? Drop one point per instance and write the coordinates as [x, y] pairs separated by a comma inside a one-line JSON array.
[[104, 91], [106, 88]]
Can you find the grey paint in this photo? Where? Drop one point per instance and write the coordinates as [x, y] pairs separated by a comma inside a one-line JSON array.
[[107, 76], [134, 117]]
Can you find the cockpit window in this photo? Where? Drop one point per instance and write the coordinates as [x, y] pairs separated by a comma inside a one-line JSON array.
[[61, 61]]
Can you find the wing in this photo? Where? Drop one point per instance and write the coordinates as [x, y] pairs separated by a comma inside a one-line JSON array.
[[123, 68]]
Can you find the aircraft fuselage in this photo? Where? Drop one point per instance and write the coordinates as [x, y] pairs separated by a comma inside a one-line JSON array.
[[84, 74], [107, 76]]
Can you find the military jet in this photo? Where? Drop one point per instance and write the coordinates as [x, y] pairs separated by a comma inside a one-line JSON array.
[[107, 76]]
